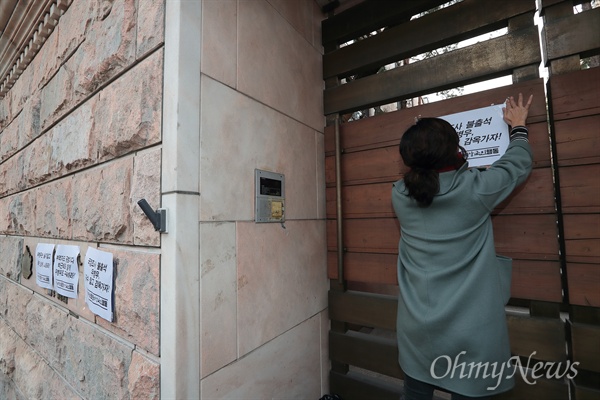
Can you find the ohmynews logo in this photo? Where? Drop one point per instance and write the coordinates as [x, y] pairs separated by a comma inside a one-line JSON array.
[[530, 372]]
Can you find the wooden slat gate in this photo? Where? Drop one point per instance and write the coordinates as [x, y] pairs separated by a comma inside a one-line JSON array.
[[550, 226]]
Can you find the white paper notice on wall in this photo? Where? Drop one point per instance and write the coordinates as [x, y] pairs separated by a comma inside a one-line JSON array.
[[482, 132], [66, 270], [98, 282], [43, 265]]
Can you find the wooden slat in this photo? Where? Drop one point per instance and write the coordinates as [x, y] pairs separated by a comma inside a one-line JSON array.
[[364, 201], [386, 129], [365, 267], [369, 16], [376, 288], [583, 250], [578, 141], [580, 188], [584, 284], [531, 280], [531, 237], [544, 336], [365, 309], [379, 311], [536, 280], [586, 346], [488, 59], [450, 25], [574, 34], [378, 235], [582, 237], [384, 164], [536, 195], [366, 351], [575, 94], [376, 165], [353, 386], [582, 227]]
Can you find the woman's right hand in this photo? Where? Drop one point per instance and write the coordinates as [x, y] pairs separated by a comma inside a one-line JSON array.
[[515, 113]]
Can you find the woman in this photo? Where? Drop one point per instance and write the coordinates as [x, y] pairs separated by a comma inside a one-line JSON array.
[[451, 324]]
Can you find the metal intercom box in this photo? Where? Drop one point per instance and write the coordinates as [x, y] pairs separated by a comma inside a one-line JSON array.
[[270, 196]]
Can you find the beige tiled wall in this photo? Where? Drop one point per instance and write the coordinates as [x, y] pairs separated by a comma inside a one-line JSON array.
[[285, 368], [264, 286]]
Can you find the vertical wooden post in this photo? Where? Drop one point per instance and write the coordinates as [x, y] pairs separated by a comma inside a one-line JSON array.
[[530, 71], [552, 10], [339, 284], [583, 325], [338, 201]]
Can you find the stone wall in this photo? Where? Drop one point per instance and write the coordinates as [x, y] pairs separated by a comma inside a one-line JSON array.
[[80, 144]]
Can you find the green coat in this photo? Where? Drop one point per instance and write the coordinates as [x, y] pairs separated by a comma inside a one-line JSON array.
[[451, 321]]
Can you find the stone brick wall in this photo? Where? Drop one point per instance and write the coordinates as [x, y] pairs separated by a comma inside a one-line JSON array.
[[80, 144]]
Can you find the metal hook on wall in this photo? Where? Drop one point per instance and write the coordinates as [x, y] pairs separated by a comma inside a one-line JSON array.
[[158, 217]]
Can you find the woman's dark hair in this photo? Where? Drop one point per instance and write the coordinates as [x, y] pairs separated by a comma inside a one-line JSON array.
[[427, 146]]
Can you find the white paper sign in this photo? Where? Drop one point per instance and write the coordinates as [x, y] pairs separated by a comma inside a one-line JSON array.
[[482, 132], [43, 265], [66, 270], [98, 274]]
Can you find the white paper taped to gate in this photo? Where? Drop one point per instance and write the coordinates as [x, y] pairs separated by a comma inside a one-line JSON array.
[[66, 270], [98, 282], [482, 132], [43, 265]]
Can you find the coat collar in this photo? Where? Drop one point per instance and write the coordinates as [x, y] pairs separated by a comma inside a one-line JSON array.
[[447, 179]]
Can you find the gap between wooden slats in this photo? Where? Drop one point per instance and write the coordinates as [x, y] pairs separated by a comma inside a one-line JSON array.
[[480, 61], [461, 21]]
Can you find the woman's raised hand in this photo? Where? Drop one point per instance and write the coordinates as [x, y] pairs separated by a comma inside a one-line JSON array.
[[515, 113]]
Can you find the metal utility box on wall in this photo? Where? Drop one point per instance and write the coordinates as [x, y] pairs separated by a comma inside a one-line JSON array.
[[270, 196]]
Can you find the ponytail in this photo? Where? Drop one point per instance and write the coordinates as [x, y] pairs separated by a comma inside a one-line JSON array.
[[422, 185]]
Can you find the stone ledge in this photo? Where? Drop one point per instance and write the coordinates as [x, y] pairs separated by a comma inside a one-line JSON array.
[[27, 38]]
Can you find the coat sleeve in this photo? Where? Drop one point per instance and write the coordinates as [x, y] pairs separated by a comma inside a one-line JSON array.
[[496, 183]]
